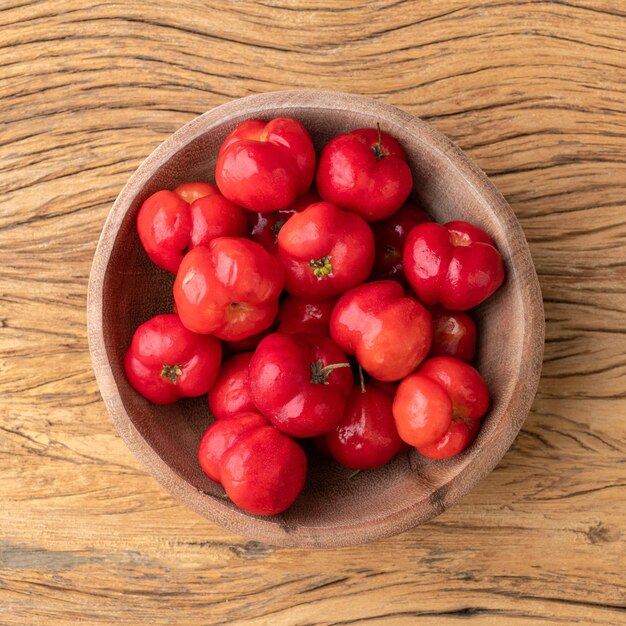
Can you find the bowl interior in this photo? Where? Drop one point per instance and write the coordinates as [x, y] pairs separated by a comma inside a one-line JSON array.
[[409, 489]]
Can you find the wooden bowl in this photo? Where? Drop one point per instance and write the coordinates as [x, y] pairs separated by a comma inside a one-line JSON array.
[[335, 508]]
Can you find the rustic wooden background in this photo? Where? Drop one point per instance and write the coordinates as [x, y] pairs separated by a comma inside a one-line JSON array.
[[534, 91]]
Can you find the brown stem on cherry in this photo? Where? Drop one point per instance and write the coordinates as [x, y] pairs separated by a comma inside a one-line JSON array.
[[321, 267], [320, 372], [362, 379], [171, 373], [378, 149]]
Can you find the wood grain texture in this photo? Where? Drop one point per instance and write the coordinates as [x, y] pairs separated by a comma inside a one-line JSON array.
[[533, 91]]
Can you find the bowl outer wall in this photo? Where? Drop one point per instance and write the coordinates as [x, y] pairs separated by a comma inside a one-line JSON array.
[[465, 471]]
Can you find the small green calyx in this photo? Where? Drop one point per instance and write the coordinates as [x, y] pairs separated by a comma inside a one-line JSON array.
[[321, 267], [320, 372], [171, 373]]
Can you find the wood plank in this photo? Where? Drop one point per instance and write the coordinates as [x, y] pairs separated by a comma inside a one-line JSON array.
[[534, 91]]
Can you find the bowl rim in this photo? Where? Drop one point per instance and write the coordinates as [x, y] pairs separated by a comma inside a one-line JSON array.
[[354, 533]]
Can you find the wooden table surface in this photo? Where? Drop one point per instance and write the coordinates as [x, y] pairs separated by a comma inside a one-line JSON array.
[[533, 91]]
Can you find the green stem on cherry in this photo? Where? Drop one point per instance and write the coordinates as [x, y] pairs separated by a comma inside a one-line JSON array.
[[320, 372]]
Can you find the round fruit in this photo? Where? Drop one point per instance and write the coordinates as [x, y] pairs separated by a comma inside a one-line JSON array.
[[230, 395], [229, 289], [263, 166], [389, 236], [303, 315], [454, 334], [365, 172], [455, 265], [235, 452], [325, 251], [166, 361], [366, 435], [389, 333], [429, 403], [300, 382]]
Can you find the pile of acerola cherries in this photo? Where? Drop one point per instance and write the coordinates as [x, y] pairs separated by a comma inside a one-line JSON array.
[[339, 309]]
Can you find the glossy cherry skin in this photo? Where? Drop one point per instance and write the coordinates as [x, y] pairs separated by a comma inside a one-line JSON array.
[[235, 453], [389, 333], [214, 216], [221, 436], [291, 387], [359, 174], [422, 410], [296, 315], [230, 394], [168, 226], [456, 439], [163, 225], [366, 435], [454, 334], [166, 361], [455, 265], [229, 289], [265, 166], [190, 192], [389, 238], [264, 227], [428, 402], [325, 251], [390, 389], [462, 382]]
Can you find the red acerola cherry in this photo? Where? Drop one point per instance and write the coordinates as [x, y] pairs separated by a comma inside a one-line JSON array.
[[229, 289], [325, 251], [300, 382], [230, 395], [389, 236], [366, 435], [265, 166], [303, 315], [235, 452], [455, 265], [168, 226], [166, 361], [429, 402], [389, 333], [365, 172], [454, 334]]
